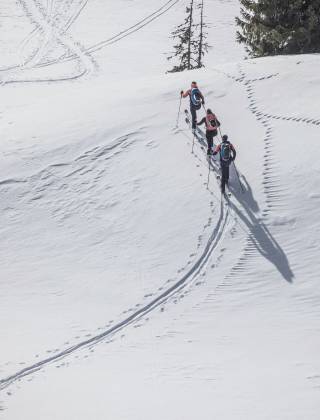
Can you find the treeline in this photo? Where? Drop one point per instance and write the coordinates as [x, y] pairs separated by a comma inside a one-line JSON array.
[[272, 27], [266, 27]]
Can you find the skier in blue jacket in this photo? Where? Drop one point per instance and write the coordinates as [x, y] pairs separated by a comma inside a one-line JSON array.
[[227, 154]]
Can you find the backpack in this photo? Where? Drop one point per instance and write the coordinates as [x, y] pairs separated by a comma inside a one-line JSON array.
[[225, 151], [195, 97], [211, 121]]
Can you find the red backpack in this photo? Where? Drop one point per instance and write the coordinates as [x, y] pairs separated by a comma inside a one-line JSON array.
[[211, 121]]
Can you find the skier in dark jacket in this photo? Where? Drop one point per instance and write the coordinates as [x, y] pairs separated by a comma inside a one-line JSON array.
[[212, 125], [196, 100], [227, 155]]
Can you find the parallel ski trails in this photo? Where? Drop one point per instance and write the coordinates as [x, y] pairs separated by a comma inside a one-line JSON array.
[[186, 280], [44, 23], [52, 15], [123, 34], [112, 40], [24, 43]]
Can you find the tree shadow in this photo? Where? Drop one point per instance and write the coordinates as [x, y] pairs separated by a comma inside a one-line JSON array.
[[260, 235]]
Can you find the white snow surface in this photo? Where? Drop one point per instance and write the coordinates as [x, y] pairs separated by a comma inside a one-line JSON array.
[[128, 289]]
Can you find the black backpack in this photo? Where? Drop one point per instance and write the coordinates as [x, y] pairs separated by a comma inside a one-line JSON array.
[[225, 151], [195, 98]]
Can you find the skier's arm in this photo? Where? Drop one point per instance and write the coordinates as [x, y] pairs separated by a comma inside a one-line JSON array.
[[202, 121], [217, 150], [185, 94], [202, 98]]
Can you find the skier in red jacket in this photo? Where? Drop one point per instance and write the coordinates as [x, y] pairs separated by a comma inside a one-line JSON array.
[[212, 125]]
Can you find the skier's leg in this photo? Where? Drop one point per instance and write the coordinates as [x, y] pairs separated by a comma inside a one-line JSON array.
[[194, 116], [209, 136], [224, 177]]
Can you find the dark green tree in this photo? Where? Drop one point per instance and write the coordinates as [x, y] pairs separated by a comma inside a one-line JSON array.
[[271, 27]]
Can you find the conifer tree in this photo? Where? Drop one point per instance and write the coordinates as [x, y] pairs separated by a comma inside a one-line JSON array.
[[270, 27], [185, 46], [191, 36], [202, 43]]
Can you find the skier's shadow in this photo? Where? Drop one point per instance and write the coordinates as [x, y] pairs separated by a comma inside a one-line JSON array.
[[261, 237]]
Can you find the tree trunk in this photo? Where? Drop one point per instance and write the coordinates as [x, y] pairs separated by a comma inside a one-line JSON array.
[[201, 38], [190, 32]]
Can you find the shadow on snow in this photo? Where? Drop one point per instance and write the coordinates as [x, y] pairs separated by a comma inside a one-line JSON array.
[[260, 235]]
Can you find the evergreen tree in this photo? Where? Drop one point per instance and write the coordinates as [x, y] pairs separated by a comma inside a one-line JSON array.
[[191, 37], [270, 27], [203, 46], [185, 46]]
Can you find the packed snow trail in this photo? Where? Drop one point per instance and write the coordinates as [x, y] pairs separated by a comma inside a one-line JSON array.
[[189, 277], [245, 325]]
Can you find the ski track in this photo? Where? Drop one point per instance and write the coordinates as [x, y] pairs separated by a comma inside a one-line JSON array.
[[259, 240], [94, 48], [194, 269], [27, 40], [51, 32], [52, 14], [123, 34], [273, 193]]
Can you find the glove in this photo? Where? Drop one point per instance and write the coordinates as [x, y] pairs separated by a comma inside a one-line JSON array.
[[181, 93]]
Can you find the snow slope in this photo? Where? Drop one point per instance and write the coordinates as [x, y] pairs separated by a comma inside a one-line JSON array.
[[128, 289]]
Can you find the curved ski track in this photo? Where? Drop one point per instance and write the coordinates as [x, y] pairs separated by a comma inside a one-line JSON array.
[[52, 16], [140, 310], [47, 26], [273, 189], [84, 51], [122, 34]]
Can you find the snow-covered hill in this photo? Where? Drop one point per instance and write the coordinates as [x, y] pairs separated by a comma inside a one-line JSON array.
[[128, 290]]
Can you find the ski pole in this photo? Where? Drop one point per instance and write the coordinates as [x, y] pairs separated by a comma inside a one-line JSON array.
[[241, 186], [208, 172], [177, 123]]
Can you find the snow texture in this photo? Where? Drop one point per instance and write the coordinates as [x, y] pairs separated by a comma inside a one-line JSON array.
[[128, 289]]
